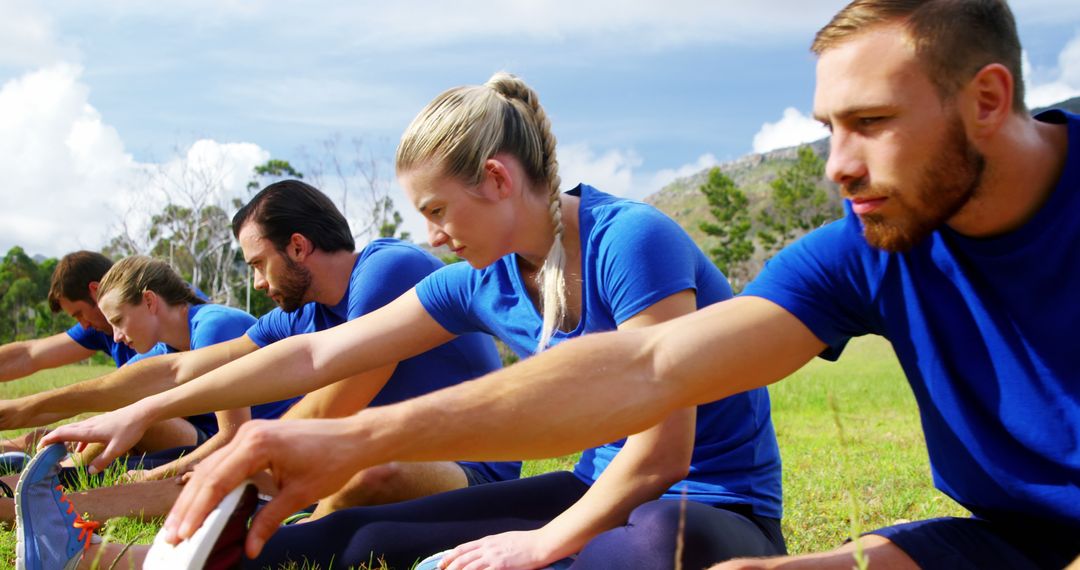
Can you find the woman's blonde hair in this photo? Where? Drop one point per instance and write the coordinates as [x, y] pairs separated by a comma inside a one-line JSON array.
[[465, 126], [132, 276]]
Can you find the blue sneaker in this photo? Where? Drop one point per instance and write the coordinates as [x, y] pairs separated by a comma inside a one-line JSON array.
[[432, 563], [51, 535]]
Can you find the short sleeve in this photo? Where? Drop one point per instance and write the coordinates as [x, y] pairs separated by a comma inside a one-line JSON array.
[[822, 280], [643, 257], [217, 324], [385, 274], [447, 296], [89, 339], [274, 326]]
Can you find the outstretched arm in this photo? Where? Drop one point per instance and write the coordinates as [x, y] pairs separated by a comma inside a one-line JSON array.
[[541, 407], [19, 359], [646, 466], [229, 421], [285, 369], [342, 398], [117, 389]]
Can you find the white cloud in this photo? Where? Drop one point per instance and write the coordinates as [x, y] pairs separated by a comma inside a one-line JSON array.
[[1063, 81], [619, 171], [668, 175], [611, 172], [792, 129], [27, 37], [68, 177]]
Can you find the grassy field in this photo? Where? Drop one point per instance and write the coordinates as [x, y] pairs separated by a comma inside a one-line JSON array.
[[877, 469]]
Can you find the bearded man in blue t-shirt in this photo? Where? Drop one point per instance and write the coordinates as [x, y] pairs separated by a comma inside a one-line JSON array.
[[960, 245]]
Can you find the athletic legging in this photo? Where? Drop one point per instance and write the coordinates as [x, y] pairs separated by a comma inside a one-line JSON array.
[[403, 533]]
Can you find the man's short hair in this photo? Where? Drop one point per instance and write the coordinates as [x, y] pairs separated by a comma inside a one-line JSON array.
[[73, 275], [291, 206], [953, 39]]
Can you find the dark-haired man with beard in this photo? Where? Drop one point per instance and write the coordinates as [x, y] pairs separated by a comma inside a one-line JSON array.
[[302, 254]]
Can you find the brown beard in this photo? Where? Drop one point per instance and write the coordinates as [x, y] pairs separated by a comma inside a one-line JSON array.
[[294, 286], [945, 185]]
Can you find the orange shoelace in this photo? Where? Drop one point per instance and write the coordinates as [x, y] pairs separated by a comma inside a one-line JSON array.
[[86, 528]]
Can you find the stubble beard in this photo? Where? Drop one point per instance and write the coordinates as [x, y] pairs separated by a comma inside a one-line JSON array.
[[945, 186], [294, 286]]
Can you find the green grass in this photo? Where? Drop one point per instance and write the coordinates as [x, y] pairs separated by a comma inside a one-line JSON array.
[[884, 454], [882, 460]]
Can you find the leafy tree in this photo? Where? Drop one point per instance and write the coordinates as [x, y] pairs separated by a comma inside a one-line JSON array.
[[24, 310], [799, 203], [272, 171], [729, 206], [346, 172]]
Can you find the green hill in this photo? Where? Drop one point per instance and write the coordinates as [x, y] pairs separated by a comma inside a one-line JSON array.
[[684, 202]]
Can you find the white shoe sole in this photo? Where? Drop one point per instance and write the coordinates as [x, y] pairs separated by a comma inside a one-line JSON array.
[[191, 554]]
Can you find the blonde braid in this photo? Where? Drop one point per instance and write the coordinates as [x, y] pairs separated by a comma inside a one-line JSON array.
[[542, 167]]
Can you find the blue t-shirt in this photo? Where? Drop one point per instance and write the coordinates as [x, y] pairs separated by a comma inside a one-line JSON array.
[[984, 329], [632, 256], [384, 270], [121, 353]]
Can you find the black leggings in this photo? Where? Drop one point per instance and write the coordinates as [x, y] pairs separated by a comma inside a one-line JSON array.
[[403, 533]]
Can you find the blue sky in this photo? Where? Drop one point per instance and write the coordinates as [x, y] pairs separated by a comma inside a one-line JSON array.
[[103, 104]]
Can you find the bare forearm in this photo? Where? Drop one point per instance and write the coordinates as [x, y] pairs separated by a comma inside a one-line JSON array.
[[285, 369], [594, 389], [342, 398], [515, 413], [109, 392], [15, 361], [648, 464], [139, 380]]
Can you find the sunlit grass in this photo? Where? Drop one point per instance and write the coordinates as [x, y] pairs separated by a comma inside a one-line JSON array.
[[882, 460]]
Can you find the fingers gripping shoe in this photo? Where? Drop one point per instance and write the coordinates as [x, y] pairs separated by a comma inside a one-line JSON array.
[[51, 534], [219, 542]]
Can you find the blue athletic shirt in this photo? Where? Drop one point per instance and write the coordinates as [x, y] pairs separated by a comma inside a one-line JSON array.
[[985, 330], [632, 256], [121, 353], [212, 324], [384, 270]]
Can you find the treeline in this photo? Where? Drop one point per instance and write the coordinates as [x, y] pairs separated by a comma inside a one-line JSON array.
[[743, 239], [186, 220], [24, 308]]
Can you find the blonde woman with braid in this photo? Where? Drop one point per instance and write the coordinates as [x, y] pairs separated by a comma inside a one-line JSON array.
[[542, 267]]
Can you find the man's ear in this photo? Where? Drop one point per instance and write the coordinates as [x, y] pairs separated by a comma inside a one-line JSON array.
[[988, 100], [299, 247], [93, 286]]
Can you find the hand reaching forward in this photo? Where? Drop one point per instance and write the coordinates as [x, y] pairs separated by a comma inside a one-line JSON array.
[[309, 459], [119, 431]]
